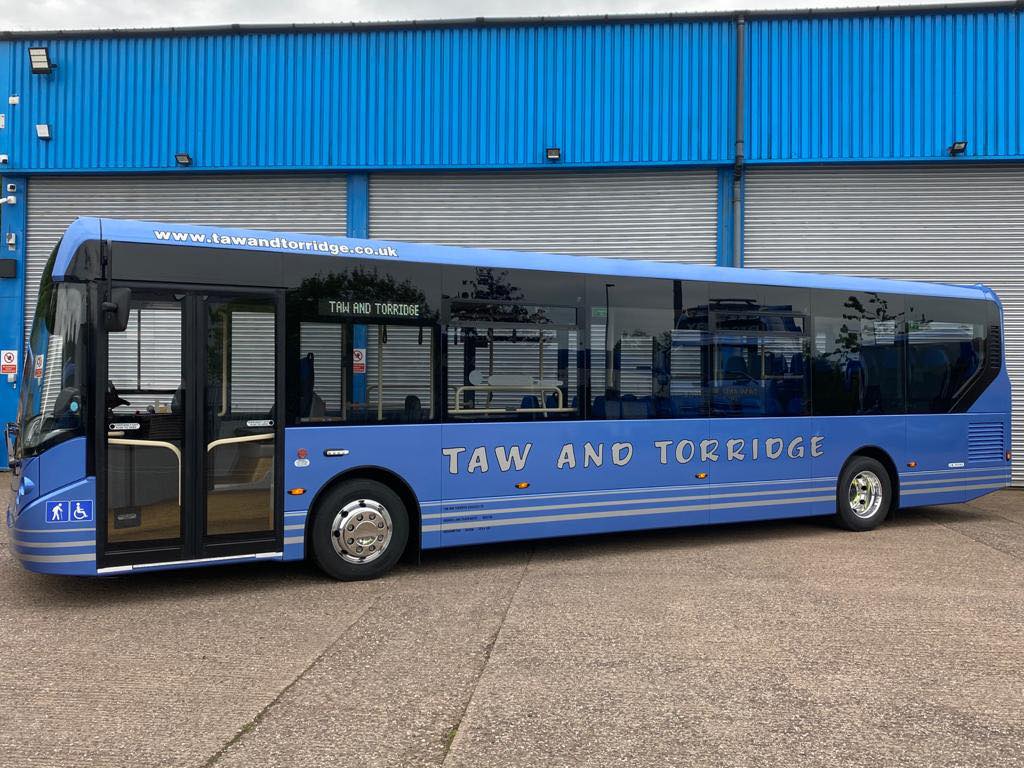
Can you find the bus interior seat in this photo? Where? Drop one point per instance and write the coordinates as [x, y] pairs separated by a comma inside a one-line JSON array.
[[736, 368], [796, 364], [413, 409], [317, 406]]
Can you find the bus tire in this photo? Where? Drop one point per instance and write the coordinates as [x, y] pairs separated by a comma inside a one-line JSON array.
[[360, 530], [864, 495]]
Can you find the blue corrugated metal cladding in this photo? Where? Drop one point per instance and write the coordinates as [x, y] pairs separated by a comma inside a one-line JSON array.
[[472, 97], [867, 87], [892, 87]]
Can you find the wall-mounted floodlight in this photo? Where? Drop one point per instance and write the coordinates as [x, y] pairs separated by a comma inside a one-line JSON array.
[[43, 131], [39, 61], [183, 158], [957, 148], [553, 154]]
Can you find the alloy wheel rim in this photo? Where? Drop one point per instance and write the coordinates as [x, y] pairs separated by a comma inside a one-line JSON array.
[[361, 531], [866, 494]]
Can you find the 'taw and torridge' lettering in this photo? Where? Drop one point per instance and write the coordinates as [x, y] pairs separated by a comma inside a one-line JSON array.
[[571, 455]]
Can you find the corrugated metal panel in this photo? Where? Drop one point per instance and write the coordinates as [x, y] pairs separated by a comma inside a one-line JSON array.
[[313, 203], [627, 92], [955, 224], [900, 86], [662, 215]]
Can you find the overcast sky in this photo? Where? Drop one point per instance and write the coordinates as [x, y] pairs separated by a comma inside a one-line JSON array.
[[105, 14]]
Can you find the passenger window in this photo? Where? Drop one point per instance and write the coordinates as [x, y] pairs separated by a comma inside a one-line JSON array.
[[144, 360], [648, 341], [858, 353], [362, 345], [366, 373], [759, 359], [512, 345], [945, 351]]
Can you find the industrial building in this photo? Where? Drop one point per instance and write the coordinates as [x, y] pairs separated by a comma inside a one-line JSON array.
[[879, 142]]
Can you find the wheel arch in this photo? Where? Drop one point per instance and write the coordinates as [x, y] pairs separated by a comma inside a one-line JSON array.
[[386, 477], [882, 457]]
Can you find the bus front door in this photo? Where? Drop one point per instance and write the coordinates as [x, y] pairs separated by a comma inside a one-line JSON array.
[[191, 429]]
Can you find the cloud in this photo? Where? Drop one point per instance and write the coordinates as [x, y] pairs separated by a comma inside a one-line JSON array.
[[106, 14]]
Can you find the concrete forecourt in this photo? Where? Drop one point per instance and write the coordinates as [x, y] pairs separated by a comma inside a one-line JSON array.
[[769, 644]]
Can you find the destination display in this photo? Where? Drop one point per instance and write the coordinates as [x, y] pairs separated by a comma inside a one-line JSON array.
[[369, 309]]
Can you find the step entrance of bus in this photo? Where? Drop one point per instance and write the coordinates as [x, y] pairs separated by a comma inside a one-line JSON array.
[[191, 427]]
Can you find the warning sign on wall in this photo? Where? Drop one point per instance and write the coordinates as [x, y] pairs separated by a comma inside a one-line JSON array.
[[9, 361], [358, 360]]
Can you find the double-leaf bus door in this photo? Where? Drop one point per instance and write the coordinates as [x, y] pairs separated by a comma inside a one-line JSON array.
[[191, 426]]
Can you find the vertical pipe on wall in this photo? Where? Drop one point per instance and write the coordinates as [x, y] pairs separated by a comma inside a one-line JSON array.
[[737, 176], [358, 197]]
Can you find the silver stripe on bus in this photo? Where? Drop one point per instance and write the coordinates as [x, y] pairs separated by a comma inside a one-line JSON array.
[[54, 544], [294, 539], [83, 558], [618, 513], [620, 502], [225, 559], [949, 489], [298, 527], [937, 480], [53, 530], [296, 514], [950, 471], [655, 489]]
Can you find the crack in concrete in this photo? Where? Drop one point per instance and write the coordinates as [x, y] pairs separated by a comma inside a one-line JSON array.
[[251, 725], [453, 732]]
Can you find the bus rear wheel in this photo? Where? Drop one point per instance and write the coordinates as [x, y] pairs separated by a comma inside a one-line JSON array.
[[360, 530], [865, 494]]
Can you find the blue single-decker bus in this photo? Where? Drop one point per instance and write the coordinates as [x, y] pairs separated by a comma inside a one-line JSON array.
[[200, 395]]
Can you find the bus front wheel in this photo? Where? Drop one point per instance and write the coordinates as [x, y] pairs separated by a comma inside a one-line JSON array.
[[360, 530], [865, 494]]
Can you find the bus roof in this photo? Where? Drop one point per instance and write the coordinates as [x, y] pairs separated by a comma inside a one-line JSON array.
[[88, 229]]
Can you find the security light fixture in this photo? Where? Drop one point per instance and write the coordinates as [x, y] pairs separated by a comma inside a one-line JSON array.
[[957, 148], [553, 154], [39, 61], [43, 131], [183, 158]]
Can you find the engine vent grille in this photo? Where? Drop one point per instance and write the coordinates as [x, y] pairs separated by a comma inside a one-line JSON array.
[[985, 442]]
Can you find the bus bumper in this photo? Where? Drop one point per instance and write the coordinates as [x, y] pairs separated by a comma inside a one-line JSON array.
[[56, 533]]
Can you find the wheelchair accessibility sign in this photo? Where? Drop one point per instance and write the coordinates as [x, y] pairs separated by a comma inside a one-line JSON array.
[[74, 511]]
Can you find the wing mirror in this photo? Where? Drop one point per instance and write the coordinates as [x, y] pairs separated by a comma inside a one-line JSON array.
[[115, 311], [11, 436]]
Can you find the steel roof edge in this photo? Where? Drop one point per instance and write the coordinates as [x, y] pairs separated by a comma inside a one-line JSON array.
[[143, 232], [481, 21]]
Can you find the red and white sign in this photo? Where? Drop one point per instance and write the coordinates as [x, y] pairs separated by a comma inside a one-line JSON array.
[[9, 361], [38, 372], [358, 360]]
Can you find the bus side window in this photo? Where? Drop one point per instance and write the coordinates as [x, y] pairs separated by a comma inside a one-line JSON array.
[[648, 348], [759, 358], [858, 353], [945, 351]]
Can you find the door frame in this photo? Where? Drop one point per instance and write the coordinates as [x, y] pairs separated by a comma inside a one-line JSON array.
[[194, 547]]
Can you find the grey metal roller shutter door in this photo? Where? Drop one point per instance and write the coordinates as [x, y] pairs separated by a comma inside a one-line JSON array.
[[949, 223], [302, 203], [313, 203], [666, 215]]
